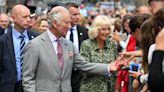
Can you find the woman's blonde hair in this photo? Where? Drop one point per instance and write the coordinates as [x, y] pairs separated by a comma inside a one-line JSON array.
[[98, 22], [37, 24], [82, 20]]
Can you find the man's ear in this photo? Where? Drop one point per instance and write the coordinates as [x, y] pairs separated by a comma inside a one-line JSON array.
[[13, 17], [54, 23]]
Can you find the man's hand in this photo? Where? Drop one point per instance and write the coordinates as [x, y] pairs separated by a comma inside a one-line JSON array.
[[114, 67], [125, 58]]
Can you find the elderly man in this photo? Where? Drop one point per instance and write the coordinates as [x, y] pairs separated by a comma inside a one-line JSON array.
[[50, 58], [4, 23], [11, 48]]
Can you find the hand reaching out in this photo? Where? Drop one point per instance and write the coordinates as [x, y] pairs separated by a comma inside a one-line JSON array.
[[125, 58], [114, 67]]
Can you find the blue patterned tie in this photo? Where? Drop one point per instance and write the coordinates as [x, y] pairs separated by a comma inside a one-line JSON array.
[[22, 45]]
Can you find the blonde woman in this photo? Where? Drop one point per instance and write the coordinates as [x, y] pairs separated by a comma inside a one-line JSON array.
[[98, 49], [41, 25]]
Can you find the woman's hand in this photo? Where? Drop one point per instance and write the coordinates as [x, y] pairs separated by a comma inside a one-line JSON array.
[[134, 74]]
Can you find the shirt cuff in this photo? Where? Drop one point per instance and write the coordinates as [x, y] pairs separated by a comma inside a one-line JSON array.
[[109, 72], [143, 78], [122, 44]]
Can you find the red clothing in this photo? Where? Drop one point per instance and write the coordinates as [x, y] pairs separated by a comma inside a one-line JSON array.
[[123, 74], [131, 44]]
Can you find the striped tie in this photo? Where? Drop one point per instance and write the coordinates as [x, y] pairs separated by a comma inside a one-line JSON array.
[[22, 45]]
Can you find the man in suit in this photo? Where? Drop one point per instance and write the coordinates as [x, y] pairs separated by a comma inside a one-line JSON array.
[[79, 34], [48, 59], [4, 23], [11, 48]]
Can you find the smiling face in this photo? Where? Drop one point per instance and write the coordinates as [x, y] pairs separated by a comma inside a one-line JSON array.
[[104, 32], [100, 28], [43, 25]]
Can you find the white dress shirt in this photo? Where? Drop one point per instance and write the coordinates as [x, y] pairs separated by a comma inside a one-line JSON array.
[[75, 37], [150, 53], [5, 31]]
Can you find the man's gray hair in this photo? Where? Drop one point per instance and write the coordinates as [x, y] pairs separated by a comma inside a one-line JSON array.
[[56, 14]]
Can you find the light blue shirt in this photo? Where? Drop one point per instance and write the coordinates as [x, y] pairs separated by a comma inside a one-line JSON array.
[[16, 43]]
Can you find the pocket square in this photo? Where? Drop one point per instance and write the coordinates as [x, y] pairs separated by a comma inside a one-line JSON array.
[[71, 54]]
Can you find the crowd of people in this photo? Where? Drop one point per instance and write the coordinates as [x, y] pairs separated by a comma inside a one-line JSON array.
[[70, 49]]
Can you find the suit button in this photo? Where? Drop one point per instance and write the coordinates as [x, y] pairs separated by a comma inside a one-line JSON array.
[[75, 69]]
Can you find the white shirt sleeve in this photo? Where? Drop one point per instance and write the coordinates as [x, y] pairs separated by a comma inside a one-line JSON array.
[[123, 44], [150, 53], [144, 78], [109, 73]]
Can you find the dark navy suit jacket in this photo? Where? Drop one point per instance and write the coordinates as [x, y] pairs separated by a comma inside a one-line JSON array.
[[1, 31], [8, 74]]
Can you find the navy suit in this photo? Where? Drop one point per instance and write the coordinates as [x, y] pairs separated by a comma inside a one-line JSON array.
[[8, 73], [1, 31], [76, 75]]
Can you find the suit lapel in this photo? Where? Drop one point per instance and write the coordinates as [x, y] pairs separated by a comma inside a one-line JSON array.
[[65, 56], [10, 45], [80, 35], [30, 34], [1, 31], [51, 52]]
